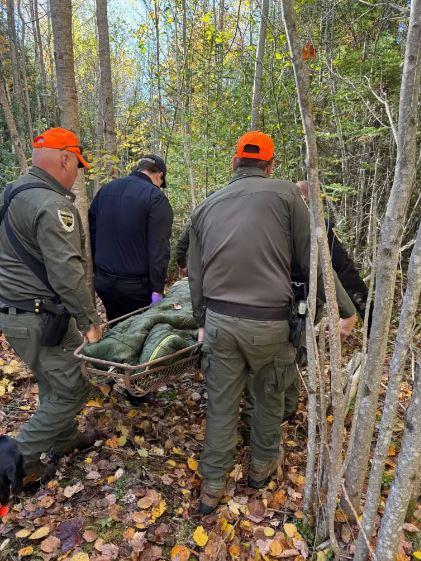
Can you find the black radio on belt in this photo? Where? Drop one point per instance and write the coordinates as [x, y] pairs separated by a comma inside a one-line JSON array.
[[298, 312]]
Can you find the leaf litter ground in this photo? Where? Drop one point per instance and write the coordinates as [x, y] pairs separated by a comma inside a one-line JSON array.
[[134, 494]]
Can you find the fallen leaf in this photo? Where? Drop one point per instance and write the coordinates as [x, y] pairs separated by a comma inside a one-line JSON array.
[[346, 533], [90, 536], [180, 553], [417, 554], [80, 556], [50, 544], [40, 533], [95, 403], [110, 551], [71, 490], [145, 502], [69, 533], [46, 501], [269, 532], [256, 511], [24, 533], [234, 551], [193, 464], [138, 541], [159, 510], [290, 530], [263, 546], [200, 536], [26, 551], [276, 548]]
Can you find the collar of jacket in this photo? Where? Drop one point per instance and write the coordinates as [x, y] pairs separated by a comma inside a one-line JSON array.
[[51, 182], [248, 172], [143, 176]]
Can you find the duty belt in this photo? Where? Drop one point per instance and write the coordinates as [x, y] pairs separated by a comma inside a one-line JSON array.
[[248, 312], [35, 305]]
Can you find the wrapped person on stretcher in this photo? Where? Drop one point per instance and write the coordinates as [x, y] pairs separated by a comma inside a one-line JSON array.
[[160, 331]]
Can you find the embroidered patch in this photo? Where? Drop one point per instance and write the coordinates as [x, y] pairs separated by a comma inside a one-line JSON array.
[[67, 219]]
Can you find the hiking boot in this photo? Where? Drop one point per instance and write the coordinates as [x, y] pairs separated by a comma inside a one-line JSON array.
[[36, 470], [259, 476], [209, 499], [81, 440]]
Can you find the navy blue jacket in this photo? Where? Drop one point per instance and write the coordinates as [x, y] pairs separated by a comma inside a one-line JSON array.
[[130, 223]]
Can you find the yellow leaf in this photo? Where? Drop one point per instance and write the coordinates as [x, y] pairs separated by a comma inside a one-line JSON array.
[[95, 403], [180, 553], [2, 391], [269, 532], [88, 460], [81, 556], [121, 441], [177, 451], [23, 533], [111, 479], [26, 551], [276, 548], [40, 533], [299, 515], [417, 554], [171, 463], [193, 464], [159, 510], [200, 536], [329, 418], [132, 413], [290, 530]]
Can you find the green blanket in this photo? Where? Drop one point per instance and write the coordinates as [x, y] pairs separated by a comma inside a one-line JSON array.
[[162, 330]]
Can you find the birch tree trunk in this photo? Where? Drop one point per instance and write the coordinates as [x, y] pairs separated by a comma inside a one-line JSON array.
[[106, 85], [409, 463], [184, 108], [337, 378], [38, 41], [387, 258], [256, 104], [16, 140], [399, 358], [11, 28], [61, 20]]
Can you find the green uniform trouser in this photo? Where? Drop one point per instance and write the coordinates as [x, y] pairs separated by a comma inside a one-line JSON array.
[[62, 388], [292, 393], [232, 347]]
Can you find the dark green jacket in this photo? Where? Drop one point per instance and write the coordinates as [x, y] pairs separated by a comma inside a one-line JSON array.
[[42, 220], [243, 240]]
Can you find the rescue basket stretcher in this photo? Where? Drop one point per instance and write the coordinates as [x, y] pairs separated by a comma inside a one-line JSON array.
[[140, 379]]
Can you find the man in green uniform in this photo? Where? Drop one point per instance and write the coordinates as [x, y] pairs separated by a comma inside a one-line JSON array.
[[47, 227], [242, 242]]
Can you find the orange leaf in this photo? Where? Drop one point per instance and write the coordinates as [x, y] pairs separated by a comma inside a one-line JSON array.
[[180, 553]]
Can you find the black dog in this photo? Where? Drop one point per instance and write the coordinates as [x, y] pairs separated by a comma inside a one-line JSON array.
[[11, 469]]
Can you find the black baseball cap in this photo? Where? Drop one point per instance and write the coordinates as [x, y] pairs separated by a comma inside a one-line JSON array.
[[159, 163]]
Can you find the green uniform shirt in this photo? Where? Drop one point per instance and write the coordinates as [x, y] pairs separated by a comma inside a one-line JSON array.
[[49, 227], [243, 240]]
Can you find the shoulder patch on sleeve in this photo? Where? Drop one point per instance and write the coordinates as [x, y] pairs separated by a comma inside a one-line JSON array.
[[67, 219]]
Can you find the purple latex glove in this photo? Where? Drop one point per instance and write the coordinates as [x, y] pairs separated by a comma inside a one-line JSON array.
[[156, 297]]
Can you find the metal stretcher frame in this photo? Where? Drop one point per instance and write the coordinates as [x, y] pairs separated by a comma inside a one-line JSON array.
[[141, 379]]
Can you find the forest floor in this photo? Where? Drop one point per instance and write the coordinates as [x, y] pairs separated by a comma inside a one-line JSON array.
[[133, 495]]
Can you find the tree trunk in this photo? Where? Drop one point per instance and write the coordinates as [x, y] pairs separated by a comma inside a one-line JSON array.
[[106, 85], [11, 28], [409, 463], [337, 379], [399, 358], [16, 140], [40, 51], [256, 104], [387, 258], [184, 107], [61, 20], [22, 65]]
